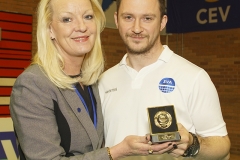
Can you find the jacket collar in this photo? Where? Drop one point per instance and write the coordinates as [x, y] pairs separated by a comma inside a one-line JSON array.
[[74, 102]]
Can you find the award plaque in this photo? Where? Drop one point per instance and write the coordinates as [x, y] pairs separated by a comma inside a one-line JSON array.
[[163, 124]]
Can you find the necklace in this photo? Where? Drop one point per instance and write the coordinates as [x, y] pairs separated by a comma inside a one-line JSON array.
[[76, 76], [73, 76]]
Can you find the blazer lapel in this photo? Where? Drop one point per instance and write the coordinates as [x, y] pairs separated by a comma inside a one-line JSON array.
[[99, 110], [75, 103]]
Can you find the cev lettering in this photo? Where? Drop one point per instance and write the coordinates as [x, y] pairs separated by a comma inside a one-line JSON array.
[[213, 14]]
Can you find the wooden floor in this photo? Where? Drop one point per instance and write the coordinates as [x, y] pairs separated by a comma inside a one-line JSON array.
[[235, 157]]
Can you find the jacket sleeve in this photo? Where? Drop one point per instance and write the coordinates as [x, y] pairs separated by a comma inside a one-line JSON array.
[[32, 112]]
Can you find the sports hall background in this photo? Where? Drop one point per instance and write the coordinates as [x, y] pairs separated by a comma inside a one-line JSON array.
[[218, 52]]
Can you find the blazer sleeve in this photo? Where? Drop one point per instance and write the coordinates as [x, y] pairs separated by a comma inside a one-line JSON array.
[[32, 112]]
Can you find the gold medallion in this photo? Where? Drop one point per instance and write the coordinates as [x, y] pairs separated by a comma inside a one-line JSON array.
[[163, 124], [163, 119]]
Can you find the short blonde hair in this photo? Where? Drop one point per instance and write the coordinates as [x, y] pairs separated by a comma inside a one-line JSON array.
[[50, 60]]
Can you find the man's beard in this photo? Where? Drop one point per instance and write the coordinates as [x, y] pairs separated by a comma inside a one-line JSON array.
[[138, 50]]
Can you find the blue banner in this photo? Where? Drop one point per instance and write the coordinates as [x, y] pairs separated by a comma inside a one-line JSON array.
[[7, 136], [106, 4], [109, 7], [8, 145], [202, 15]]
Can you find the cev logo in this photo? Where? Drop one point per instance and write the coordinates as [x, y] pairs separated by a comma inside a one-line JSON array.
[[166, 85], [213, 13]]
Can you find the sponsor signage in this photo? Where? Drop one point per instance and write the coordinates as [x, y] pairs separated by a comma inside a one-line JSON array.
[[202, 15], [8, 146]]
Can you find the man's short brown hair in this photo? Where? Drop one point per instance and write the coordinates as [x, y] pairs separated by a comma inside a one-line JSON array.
[[162, 7]]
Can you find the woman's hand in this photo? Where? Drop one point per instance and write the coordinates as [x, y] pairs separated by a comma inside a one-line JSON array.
[[138, 145], [186, 140]]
